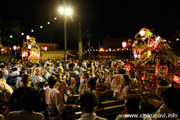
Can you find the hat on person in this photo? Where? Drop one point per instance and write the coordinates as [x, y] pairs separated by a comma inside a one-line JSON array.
[[37, 66], [121, 71]]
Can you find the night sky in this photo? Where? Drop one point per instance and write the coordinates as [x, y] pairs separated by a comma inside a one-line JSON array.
[[115, 18]]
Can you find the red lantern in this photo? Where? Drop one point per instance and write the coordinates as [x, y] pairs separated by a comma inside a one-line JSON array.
[[176, 78], [161, 70], [128, 66], [152, 44], [124, 44]]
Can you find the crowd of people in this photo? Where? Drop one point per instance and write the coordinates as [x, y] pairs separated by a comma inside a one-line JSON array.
[[43, 91]]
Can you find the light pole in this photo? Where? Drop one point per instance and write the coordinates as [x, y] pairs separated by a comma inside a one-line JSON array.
[[66, 12]]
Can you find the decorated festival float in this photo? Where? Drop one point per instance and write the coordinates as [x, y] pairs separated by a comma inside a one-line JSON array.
[[30, 51], [154, 60]]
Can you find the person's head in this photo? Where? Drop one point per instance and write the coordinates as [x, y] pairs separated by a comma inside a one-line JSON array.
[[79, 64], [85, 75], [22, 72], [125, 80], [30, 69], [171, 99], [29, 99], [132, 74], [111, 73], [38, 70], [121, 71], [72, 66], [92, 83], [1, 74], [60, 70], [52, 81], [2, 68], [101, 75], [132, 105], [58, 64], [88, 102], [26, 80], [67, 74], [14, 69]]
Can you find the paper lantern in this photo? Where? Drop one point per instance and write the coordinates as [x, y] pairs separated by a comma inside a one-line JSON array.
[[161, 70], [29, 46], [15, 47], [124, 44], [152, 44], [128, 66], [27, 37], [176, 78], [45, 48]]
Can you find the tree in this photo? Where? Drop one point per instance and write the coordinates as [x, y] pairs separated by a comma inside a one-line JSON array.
[[13, 28]]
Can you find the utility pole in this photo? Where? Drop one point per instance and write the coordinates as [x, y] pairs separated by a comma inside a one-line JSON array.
[[80, 41]]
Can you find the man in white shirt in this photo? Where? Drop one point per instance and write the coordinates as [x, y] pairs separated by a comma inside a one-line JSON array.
[[5, 91], [37, 79]]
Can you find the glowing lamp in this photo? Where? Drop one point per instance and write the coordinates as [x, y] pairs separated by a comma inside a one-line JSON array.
[[176, 78], [45, 48], [143, 77], [135, 56], [68, 11], [41, 26], [22, 33], [61, 10], [11, 36], [124, 44], [48, 23], [29, 46], [38, 56], [32, 30], [101, 49], [27, 37], [2, 49], [15, 47]]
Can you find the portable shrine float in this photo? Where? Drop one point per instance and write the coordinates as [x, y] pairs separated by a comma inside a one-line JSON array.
[[154, 59], [30, 51]]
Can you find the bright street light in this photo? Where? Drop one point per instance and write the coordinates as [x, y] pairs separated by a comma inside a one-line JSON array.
[[66, 12], [61, 11]]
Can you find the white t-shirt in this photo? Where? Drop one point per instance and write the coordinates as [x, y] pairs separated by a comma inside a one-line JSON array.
[[16, 115]]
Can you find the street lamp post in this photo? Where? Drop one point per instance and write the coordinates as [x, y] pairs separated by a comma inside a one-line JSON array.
[[65, 39], [66, 12]]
